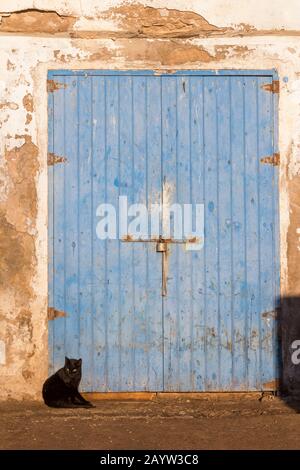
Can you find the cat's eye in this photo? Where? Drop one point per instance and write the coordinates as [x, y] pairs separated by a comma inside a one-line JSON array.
[[74, 370], [68, 370]]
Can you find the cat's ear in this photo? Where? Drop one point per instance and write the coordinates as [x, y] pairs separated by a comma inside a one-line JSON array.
[[79, 362], [67, 360]]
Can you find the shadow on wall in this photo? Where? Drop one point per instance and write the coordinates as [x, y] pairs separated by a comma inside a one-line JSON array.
[[289, 339]]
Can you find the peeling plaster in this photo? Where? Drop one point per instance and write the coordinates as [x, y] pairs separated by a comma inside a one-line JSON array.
[[9, 105], [268, 14], [140, 20], [28, 102], [35, 21], [145, 19]]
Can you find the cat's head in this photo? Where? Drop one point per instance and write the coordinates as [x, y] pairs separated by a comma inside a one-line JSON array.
[[72, 367]]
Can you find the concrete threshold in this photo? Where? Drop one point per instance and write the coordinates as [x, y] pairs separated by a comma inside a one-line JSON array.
[[150, 396]]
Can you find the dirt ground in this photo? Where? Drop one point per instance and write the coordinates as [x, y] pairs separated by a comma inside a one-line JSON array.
[[240, 423]]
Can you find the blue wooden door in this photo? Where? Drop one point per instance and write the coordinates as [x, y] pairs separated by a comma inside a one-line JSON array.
[[190, 137]]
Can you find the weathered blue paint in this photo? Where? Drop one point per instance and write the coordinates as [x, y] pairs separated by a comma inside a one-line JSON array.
[[201, 134]]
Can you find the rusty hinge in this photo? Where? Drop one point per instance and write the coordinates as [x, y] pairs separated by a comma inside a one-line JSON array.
[[53, 313], [53, 159], [273, 87], [53, 85], [271, 159]]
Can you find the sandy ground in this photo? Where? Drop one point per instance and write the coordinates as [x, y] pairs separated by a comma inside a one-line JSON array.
[[270, 423]]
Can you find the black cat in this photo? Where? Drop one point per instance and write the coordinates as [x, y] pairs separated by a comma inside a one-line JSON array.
[[61, 389]]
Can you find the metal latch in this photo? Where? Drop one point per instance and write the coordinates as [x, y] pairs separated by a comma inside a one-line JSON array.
[[161, 247]]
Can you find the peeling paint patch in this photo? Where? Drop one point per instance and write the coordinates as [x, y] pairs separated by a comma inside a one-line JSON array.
[[101, 54], [222, 52], [28, 102], [165, 52], [25, 323], [28, 119], [9, 105], [246, 28], [22, 165], [27, 374], [16, 259], [54, 313], [35, 21], [10, 66], [145, 21], [62, 57]]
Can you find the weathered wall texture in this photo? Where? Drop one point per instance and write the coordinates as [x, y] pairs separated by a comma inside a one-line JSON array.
[[263, 15], [109, 34]]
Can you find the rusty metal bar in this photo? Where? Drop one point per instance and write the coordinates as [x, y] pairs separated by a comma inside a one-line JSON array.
[[129, 239], [164, 274]]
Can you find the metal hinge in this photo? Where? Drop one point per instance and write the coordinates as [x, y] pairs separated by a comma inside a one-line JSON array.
[[53, 159], [273, 87], [271, 159], [54, 313], [53, 85]]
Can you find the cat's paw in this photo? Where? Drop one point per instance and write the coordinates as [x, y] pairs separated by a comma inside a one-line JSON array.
[[88, 404]]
